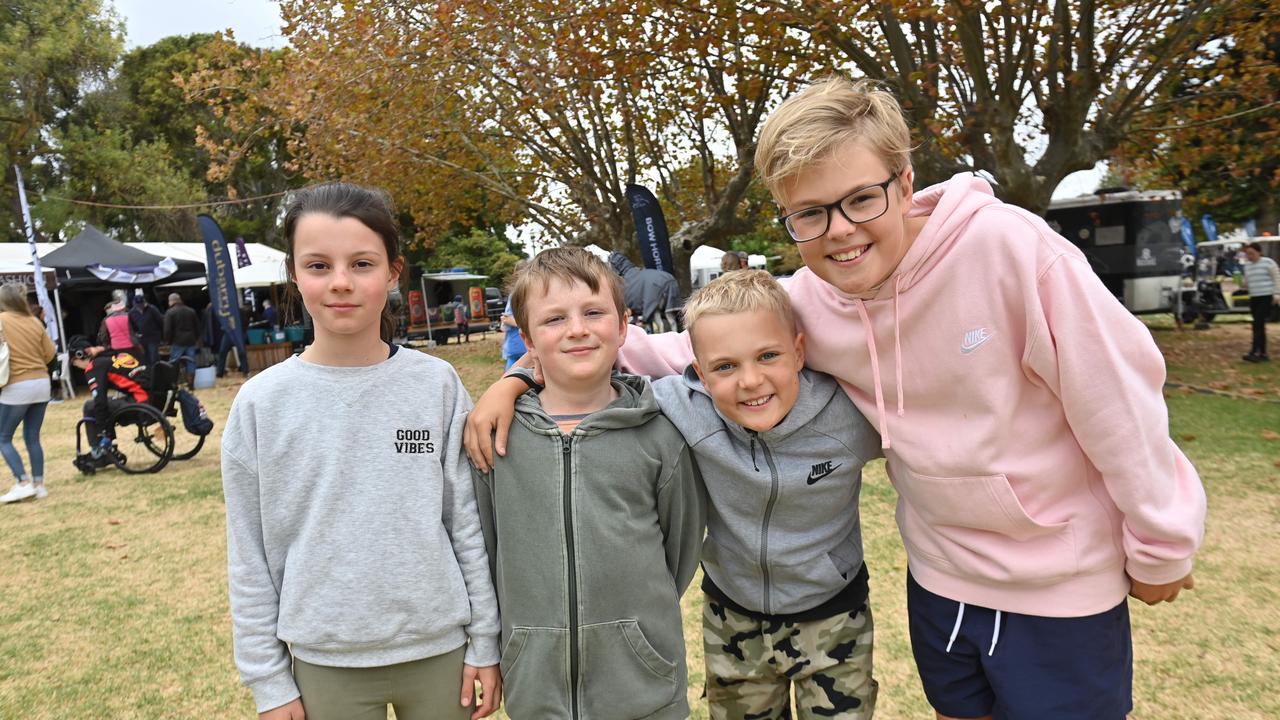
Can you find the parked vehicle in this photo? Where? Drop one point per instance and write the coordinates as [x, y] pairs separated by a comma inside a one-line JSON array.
[[1217, 290], [1133, 241]]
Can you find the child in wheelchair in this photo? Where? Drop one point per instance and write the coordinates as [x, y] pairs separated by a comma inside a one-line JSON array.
[[107, 369]]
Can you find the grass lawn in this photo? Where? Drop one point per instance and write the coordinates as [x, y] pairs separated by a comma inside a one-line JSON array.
[[115, 599]]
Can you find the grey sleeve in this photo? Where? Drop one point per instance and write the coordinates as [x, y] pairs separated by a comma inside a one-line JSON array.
[[482, 483], [462, 522], [682, 514], [262, 659]]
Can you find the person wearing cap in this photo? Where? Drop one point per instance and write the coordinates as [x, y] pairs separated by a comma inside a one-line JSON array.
[[182, 332], [148, 322], [106, 369], [742, 261], [117, 329]]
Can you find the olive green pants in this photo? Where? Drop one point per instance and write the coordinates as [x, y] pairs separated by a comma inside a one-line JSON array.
[[420, 690]]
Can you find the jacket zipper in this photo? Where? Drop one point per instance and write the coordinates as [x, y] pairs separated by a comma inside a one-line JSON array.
[[764, 525], [567, 442]]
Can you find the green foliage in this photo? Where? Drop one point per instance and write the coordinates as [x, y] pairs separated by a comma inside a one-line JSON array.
[[483, 252], [49, 51]]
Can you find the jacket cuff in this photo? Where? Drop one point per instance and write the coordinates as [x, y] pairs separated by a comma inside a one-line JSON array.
[[272, 692], [483, 651], [1161, 574]]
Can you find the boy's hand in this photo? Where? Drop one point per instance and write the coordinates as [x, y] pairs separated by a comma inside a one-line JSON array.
[[493, 412], [490, 689], [288, 711], [1155, 594]]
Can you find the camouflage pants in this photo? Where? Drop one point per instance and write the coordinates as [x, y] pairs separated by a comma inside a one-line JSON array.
[[752, 666]]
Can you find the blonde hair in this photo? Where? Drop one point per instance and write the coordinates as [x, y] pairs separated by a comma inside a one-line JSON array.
[[740, 291], [808, 127], [569, 265], [13, 298]]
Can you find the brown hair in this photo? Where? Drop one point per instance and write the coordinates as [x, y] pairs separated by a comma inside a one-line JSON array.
[[740, 291], [569, 265], [13, 298], [811, 125], [729, 262], [372, 207]]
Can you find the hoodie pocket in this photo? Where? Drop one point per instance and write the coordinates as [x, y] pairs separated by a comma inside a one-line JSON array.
[[978, 526], [623, 676], [534, 669]]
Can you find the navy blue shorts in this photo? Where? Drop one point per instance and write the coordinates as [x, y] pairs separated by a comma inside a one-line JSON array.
[[1029, 668]]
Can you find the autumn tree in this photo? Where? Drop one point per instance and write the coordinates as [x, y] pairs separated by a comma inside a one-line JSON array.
[[543, 111], [1214, 135], [1027, 92]]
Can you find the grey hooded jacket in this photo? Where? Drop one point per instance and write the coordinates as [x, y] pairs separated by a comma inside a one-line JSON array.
[[593, 537], [783, 533]]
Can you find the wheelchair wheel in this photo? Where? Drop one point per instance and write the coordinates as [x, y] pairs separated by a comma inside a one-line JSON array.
[[144, 439], [186, 445]]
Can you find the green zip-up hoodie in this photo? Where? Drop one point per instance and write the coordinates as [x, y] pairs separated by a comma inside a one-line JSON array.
[[592, 538]]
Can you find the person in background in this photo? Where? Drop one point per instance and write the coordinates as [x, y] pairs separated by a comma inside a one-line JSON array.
[[742, 261], [149, 323], [182, 332], [26, 396], [460, 319], [269, 314], [1262, 280], [729, 262], [117, 330], [512, 344]]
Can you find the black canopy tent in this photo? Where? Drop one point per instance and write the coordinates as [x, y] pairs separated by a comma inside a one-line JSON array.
[[93, 261], [91, 265]]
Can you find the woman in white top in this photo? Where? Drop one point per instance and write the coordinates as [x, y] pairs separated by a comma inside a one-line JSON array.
[[26, 395]]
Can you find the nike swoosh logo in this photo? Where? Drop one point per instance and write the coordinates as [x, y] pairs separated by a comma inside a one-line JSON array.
[[815, 478], [968, 347]]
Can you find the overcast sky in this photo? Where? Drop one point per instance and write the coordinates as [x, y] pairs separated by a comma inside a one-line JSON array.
[[255, 22]]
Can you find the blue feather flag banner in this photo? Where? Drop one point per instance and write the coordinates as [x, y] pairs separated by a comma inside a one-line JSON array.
[[651, 229], [1210, 227], [222, 284], [242, 254]]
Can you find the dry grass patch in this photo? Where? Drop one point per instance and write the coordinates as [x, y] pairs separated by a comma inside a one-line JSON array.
[[116, 601]]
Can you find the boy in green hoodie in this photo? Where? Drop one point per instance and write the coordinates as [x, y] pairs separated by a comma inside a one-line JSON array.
[[594, 518]]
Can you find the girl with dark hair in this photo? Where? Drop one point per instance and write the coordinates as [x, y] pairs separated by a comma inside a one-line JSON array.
[[357, 569]]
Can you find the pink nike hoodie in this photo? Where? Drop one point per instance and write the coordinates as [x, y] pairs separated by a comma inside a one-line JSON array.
[[1020, 407]]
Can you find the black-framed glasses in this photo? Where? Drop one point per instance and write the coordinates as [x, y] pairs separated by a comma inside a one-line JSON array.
[[860, 206]]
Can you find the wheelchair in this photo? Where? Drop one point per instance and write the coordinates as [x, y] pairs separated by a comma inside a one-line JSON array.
[[147, 435]]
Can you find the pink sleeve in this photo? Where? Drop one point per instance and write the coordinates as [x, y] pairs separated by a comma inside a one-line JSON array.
[[654, 355], [1109, 375]]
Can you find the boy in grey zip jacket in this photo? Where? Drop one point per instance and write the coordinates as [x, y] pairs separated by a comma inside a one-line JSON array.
[[780, 449], [594, 519]]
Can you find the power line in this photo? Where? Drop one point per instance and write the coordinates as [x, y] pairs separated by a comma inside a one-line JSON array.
[[187, 206]]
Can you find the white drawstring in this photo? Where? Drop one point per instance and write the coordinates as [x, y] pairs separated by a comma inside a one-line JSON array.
[[995, 636], [956, 630]]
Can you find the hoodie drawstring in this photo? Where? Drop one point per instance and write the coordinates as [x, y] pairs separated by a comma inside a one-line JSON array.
[[897, 343], [955, 631], [995, 636], [875, 373]]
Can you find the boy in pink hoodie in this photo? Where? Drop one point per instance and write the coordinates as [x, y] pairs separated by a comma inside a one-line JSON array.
[[1019, 404]]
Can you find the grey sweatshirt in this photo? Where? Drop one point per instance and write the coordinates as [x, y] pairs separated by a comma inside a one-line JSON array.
[[352, 534], [593, 537], [783, 534]]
